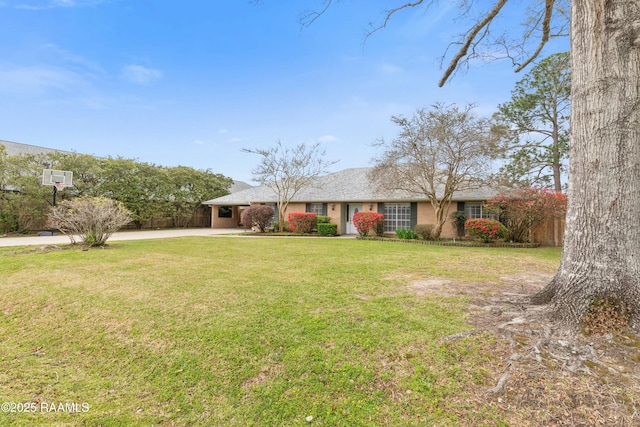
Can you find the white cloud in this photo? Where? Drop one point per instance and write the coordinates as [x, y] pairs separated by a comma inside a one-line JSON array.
[[32, 80], [198, 142], [236, 139], [328, 138], [223, 131], [138, 74]]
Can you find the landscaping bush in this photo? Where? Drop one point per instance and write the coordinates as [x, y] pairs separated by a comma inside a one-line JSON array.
[[322, 219], [325, 229], [366, 221], [93, 219], [424, 231], [489, 230], [406, 234], [301, 222], [459, 218], [260, 216], [523, 209]]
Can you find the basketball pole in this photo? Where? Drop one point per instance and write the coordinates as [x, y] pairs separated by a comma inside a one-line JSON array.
[[55, 191]]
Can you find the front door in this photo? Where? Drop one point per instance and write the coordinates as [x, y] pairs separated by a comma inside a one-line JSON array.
[[352, 209]]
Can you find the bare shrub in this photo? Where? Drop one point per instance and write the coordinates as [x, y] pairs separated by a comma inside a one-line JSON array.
[[425, 231], [92, 219]]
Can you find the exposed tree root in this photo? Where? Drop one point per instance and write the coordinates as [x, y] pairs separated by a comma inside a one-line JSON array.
[[549, 375]]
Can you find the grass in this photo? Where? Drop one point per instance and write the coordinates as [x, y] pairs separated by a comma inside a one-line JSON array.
[[244, 331]]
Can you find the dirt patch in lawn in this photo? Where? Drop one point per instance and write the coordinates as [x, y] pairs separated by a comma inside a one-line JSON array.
[[543, 377]]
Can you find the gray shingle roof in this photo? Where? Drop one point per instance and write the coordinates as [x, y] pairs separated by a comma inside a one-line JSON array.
[[239, 186], [349, 185], [15, 148]]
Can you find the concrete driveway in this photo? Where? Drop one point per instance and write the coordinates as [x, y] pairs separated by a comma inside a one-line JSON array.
[[121, 235]]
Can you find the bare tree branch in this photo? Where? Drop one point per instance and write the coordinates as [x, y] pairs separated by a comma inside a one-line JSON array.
[[311, 16], [392, 12], [546, 29], [469, 40]]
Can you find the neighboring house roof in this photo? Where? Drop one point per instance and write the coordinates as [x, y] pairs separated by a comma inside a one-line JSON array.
[[239, 186], [15, 148], [349, 185]]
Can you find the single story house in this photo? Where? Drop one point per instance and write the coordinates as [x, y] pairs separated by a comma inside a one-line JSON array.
[[341, 195]]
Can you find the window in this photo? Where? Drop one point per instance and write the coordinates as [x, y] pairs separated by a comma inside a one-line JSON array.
[[473, 210], [316, 208], [476, 210], [397, 215], [225, 211]]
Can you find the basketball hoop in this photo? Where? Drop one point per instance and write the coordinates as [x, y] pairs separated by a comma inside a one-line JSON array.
[[57, 179]]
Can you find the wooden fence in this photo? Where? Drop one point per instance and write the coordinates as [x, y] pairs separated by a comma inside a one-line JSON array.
[[551, 233]]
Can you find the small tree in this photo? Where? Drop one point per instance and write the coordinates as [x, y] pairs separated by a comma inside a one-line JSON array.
[[366, 221], [523, 209], [93, 219], [260, 216], [288, 170]]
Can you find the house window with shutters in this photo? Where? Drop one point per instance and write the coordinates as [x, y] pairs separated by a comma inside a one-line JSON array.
[[317, 208]]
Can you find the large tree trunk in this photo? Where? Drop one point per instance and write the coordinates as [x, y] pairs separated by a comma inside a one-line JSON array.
[[601, 257]]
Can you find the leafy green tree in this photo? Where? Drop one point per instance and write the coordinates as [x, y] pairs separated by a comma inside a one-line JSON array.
[[25, 201], [3, 169], [188, 187], [535, 125], [88, 173], [142, 187]]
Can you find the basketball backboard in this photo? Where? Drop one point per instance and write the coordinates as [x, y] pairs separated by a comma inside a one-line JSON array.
[[57, 178]]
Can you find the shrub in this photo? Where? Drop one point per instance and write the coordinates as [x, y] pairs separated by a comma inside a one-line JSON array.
[[8, 222], [406, 234], [93, 219], [301, 222], [322, 219], [489, 230], [260, 216], [325, 229], [366, 221], [459, 218], [523, 209], [424, 231]]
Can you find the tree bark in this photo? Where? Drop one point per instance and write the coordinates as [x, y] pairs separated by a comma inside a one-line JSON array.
[[601, 257]]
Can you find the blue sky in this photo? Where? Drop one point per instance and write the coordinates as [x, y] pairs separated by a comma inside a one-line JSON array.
[[192, 83]]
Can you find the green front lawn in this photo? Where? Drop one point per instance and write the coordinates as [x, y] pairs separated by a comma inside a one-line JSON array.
[[240, 331]]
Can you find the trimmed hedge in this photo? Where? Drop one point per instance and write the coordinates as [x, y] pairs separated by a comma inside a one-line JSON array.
[[325, 229], [322, 219]]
